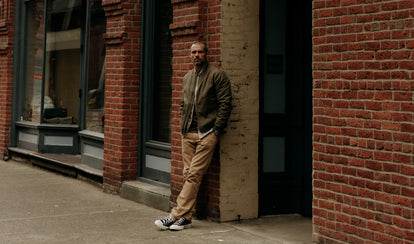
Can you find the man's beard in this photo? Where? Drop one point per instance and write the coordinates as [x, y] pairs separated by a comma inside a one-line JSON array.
[[198, 62]]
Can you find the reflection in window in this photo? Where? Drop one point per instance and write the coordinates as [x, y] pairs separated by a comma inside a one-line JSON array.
[[33, 71], [96, 69], [52, 63], [62, 64]]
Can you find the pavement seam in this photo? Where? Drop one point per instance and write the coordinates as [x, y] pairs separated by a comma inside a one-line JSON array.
[[62, 215]]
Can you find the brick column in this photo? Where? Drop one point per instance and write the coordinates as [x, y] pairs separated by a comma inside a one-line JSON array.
[[121, 91], [363, 130], [193, 20], [6, 72]]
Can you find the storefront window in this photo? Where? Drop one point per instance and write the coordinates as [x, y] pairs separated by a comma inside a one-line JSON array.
[[62, 64], [96, 69], [32, 88], [53, 61], [59, 74]]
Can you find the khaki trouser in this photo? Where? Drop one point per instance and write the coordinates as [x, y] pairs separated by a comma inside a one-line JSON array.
[[197, 154]]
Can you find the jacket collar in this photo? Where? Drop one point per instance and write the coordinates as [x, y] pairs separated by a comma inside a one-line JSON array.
[[203, 70]]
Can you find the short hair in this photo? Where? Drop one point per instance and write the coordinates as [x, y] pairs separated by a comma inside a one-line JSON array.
[[201, 43]]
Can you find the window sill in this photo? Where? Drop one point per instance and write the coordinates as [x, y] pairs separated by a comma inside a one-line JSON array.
[[158, 145], [28, 124], [160, 149], [98, 136]]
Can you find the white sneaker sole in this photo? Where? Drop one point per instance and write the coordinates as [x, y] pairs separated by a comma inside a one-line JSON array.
[[159, 224], [182, 227]]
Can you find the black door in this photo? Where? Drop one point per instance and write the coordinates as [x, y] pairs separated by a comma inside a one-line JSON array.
[[286, 108]]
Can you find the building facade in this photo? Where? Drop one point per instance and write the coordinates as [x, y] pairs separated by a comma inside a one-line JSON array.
[[322, 95], [362, 121]]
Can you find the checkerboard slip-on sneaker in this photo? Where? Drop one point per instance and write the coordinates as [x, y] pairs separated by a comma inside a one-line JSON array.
[[181, 224], [164, 223]]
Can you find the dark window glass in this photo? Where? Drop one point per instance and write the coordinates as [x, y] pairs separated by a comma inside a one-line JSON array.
[[161, 129]]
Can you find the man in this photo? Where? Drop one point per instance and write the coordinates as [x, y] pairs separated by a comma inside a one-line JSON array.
[[205, 109]]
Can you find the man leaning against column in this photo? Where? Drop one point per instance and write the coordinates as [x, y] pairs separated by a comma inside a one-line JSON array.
[[205, 110]]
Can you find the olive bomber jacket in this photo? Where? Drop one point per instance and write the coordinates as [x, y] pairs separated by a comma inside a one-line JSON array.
[[213, 99]]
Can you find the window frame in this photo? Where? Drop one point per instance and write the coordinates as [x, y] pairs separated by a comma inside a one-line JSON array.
[[19, 66], [149, 147]]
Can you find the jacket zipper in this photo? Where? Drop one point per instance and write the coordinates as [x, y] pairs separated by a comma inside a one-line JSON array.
[[194, 107]]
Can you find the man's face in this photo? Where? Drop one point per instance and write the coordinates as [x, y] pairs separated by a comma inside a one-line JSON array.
[[198, 54]]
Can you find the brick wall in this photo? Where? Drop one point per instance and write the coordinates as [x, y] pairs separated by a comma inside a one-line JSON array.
[[193, 20], [363, 121], [6, 72], [121, 91]]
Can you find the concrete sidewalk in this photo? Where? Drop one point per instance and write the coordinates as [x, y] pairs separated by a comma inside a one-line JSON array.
[[38, 206]]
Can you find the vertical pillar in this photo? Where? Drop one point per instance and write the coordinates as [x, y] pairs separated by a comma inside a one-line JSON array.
[[122, 41], [7, 10]]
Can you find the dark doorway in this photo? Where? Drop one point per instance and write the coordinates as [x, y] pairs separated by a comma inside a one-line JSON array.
[[286, 108]]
